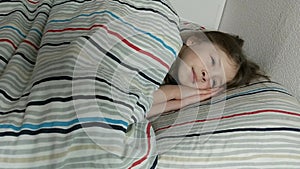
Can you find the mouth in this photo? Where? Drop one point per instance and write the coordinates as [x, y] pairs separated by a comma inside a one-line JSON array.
[[194, 76]]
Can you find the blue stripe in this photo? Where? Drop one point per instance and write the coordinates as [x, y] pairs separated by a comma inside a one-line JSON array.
[[254, 91], [126, 23], [84, 15], [19, 32], [245, 93], [63, 124], [260, 90], [147, 33], [37, 31], [235, 130], [11, 27]]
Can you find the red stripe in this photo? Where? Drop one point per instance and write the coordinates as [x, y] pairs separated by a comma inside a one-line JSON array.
[[15, 47], [148, 151], [31, 44], [74, 29], [9, 41], [33, 2], [131, 45], [230, 116]]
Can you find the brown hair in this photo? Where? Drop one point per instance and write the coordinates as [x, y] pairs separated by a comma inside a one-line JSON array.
[[232, 46]]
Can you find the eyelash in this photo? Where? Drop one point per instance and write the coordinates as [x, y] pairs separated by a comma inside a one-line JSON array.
[[213, 84], [213, 62]]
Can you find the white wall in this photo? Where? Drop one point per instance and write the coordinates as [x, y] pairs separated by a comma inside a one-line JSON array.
[[271, 29], [207, 13]]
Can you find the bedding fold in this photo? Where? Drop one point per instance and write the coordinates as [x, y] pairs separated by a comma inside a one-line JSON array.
[[77, 79]]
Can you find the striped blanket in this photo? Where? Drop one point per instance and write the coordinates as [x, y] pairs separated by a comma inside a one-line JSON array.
[[76, 79], [255, 126]]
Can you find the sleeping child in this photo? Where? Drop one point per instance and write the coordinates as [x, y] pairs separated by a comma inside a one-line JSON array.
[[208, 62]]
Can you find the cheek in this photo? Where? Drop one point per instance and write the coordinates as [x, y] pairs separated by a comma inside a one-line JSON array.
[[183, 73], [181, 70], [200, 63], [192, 60], [231, 74]]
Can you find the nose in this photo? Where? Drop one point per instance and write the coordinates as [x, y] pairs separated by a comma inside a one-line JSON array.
[[204, 76]]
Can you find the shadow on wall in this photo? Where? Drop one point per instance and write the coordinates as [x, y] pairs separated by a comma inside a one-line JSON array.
[[271, 32]]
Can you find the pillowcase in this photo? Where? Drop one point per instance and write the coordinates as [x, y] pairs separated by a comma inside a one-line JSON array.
[[185, 25], [255, 126]]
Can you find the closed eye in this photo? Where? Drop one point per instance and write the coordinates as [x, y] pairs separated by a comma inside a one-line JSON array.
[[213, 83], [213, 61]]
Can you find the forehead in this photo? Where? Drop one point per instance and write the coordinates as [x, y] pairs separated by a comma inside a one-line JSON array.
[[203, 46]]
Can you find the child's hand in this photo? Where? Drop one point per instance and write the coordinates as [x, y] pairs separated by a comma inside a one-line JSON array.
[[184, 92], [174, 97]]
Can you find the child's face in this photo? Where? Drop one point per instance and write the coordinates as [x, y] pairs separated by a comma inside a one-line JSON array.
[[209, 68]]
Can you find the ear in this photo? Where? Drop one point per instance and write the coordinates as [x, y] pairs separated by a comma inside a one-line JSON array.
[[192, 40]]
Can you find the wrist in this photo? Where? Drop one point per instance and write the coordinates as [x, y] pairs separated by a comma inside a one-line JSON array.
[[171, 91]]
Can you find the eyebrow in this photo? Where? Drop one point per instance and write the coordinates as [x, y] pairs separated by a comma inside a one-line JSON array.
[[216, 59]]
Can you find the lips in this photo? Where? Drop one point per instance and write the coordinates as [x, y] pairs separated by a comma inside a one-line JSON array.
[[194, 76]]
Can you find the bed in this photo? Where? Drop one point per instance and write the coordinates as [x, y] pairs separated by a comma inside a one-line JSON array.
[[76, 82]]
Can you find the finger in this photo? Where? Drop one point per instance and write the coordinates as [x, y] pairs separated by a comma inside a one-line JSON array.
[[194, 99], [188, 92], [207, 91], [178, 104], [205, 96], [217, 91], [185, 92], [204, 91]]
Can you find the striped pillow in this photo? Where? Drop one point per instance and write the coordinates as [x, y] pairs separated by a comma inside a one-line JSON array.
[[185, 25], [255, 126]]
